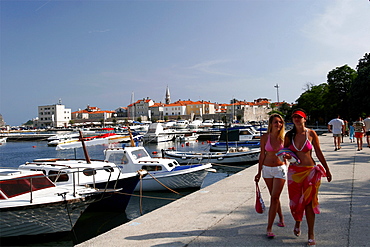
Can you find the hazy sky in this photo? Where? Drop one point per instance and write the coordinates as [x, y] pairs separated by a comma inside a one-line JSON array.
[[98, 52]]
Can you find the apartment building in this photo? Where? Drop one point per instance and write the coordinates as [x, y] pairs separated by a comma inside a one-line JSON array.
[[53, 116]]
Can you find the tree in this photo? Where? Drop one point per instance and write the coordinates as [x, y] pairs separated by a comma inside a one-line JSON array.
[[340, 82], [359, 94], [313, 102]]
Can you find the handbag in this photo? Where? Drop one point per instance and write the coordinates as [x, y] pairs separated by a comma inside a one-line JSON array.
[[260, 205]]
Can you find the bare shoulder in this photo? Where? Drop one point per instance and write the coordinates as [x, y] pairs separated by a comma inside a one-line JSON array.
[[313, 135], [265, 135]]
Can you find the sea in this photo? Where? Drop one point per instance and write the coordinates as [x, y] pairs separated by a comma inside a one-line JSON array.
[[91, 224]]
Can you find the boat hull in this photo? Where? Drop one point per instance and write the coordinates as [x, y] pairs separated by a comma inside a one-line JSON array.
[[41, 219], [214, 157], [119, 200], [222, 146], [183, 177]]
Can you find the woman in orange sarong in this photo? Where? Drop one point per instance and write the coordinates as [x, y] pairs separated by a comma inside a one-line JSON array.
[[304, 178]]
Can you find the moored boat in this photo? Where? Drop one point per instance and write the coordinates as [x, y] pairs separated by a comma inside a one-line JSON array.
[[223, 146], [163, 173], [94, 173], [156, 133], [31, 204], [232, 156]]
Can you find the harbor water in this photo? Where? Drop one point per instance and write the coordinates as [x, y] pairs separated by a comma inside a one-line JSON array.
[[91, 224]]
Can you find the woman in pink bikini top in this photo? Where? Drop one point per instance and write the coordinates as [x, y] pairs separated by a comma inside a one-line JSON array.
[[304, 178], [272, 169]]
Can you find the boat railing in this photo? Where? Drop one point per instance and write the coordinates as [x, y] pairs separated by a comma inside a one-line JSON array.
[[52, 180]]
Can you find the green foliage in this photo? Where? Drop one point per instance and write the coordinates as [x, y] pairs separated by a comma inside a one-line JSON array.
[[29, 123], [313, 102], [340, 82], [275, 111], [346, 93], [360, 91]]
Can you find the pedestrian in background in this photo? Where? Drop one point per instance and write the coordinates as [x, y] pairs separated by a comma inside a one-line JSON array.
[[336, 126], [351, 133], [367, 129], [359, 132], [273, 170]]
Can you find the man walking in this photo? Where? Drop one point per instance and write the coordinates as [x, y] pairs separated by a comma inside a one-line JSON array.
[[367, 129], [336, 126]]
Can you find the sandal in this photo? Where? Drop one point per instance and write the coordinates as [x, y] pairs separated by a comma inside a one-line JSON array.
[[281, 224], [311, 242], [297, 232], [270, 235]]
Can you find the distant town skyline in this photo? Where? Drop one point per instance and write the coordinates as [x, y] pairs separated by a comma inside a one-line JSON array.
[[99, 52]]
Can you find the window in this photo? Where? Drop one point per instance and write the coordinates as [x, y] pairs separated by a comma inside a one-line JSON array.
[[139, 153], [151, 168], [16, 187], [57, 176]]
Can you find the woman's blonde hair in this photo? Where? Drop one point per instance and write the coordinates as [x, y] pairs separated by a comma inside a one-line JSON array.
[[281, 133]]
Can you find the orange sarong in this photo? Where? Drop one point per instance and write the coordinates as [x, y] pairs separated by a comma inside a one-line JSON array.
[[303, 188]]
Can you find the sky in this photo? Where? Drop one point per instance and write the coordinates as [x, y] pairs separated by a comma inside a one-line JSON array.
[[100, 52]]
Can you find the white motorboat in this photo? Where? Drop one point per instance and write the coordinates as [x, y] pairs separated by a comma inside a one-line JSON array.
[[156, 134], [163, 172], [181, 124], [223, 146], [232, 156], [187, 137], [31, 204], [195, 123], [208, 123], [94, 173]]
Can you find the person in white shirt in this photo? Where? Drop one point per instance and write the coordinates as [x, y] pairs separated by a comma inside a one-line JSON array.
[[336, 126], [367, 129]]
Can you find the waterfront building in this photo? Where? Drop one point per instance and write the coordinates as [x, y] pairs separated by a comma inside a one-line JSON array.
[[92, 114], [53, 116], [157, 111], [200, 108], [121, 112], [175, 109], [140, 109]]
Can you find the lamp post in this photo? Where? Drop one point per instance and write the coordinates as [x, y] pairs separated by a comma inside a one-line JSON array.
[[277, 91]]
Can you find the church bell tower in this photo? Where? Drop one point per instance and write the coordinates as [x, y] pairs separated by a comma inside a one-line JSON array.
[[168, 98]]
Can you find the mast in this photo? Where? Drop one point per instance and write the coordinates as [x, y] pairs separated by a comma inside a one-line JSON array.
[[87, 157]]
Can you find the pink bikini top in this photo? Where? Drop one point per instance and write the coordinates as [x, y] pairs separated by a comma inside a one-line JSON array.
[[307, 146], [269, 148]]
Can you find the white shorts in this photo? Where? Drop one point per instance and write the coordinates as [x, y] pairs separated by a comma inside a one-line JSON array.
[[274, 171]]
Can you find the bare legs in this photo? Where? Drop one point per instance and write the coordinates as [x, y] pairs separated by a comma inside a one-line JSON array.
[[337, 142], [310, 217], [359, 143], [275, 186]]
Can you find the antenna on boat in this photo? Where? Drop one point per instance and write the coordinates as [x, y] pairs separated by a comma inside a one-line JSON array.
[[87, 157]]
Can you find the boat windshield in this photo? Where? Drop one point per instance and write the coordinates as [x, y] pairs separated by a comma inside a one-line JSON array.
[[19, 186], [139, 154]]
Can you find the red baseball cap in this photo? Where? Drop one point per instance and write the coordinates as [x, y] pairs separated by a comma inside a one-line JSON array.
[[300, 113]]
